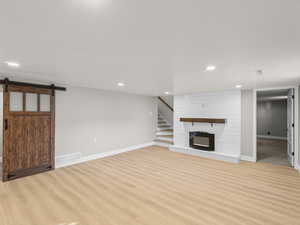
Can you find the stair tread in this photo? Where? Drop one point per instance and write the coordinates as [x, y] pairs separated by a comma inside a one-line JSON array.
[[166, 130], [165, 135]]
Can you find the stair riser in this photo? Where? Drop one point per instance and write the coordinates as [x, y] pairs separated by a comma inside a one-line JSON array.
[[164, 133], [164, 139]]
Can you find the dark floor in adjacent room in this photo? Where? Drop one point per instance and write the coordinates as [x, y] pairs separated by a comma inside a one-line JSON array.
[[272, 151]]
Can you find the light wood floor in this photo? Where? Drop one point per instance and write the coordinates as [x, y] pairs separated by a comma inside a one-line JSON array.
[[154, 186]]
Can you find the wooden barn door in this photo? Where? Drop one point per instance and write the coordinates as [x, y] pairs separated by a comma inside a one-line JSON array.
[[29, 114]]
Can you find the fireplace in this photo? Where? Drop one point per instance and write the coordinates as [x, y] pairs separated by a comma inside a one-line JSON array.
[[202, 141]]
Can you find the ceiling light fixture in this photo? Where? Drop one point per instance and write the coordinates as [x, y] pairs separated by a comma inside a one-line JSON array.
[[238, 86], [210, 68], [120, 84], [167, 93], [12, 64]]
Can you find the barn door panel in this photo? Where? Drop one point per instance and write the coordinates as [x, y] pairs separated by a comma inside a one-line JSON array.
[[28, 131]]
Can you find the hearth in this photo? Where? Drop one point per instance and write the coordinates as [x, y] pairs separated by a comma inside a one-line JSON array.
[[202, 141]]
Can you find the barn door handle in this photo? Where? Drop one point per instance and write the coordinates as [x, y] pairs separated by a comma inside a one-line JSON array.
[[6, 124]]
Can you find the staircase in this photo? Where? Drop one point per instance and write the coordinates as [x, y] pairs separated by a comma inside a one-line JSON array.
[[164, 133]]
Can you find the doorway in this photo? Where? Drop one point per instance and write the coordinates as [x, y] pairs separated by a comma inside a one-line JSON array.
[[275, 126]]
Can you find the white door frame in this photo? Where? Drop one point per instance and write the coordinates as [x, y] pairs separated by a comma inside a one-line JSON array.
[[296, 128]]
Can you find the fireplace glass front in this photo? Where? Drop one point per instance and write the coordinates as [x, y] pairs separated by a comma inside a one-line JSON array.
[[202, 141]]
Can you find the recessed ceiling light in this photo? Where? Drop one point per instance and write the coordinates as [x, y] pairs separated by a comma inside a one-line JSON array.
[[210, 68], [238, 86], [120, 84], [167, 93], [12, 64]]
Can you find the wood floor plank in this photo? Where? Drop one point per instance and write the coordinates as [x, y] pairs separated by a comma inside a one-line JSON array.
[[154, 186]]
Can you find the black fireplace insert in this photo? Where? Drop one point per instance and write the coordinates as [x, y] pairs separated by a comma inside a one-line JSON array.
[[202, 141]]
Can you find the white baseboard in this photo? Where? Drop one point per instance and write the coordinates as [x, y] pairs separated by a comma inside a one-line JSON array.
[[68, 159], [162, 144], [74, 158], [271, 137], [297, 166], [205, 154], [248, 158]]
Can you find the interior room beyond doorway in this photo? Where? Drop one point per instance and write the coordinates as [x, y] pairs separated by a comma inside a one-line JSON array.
[[274, 113]]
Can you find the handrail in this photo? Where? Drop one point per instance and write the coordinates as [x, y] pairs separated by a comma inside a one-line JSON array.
[[163, 101]]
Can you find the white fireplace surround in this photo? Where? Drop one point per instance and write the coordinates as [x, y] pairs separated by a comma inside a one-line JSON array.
[[217, 130], [225, 105]]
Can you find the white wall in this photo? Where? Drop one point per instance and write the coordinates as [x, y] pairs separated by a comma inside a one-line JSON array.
[[226, 104], [247, 132], [272, 118], [298, 128], [165, 112], [92, 121]]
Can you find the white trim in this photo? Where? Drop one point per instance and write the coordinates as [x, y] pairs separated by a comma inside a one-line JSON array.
[[67, 159], [161, 144], [254, 125], [296, 129], [297, 166], [71, 159], [275, 98], [271, 137], [205, 154], [248, 158], [276, 88]]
